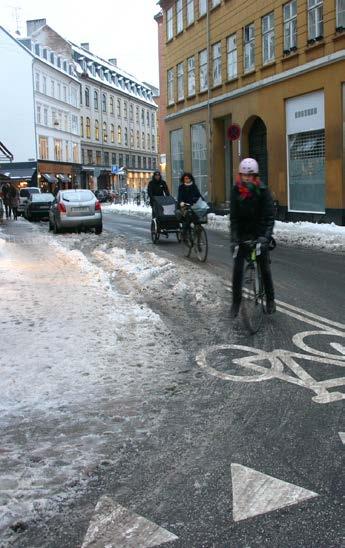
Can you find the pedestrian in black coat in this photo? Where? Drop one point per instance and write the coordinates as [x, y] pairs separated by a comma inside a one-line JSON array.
[[157, 187], [251, 218]]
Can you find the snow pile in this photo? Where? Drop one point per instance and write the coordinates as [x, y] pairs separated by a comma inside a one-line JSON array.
[[128, 209], [330, 237]]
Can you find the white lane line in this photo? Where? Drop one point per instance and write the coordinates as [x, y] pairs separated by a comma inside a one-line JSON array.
[[342, 437], [114, 526], [255, 493]]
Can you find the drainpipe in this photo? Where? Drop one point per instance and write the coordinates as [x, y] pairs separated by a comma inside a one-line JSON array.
[[209, 117]]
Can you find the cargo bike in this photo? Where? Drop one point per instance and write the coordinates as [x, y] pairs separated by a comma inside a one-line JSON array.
[[164, 221]]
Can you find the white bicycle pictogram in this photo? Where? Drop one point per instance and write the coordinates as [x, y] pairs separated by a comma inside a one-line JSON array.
[[280, 359]]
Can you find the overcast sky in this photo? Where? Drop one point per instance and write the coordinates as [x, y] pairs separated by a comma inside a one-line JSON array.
[[124, 29]]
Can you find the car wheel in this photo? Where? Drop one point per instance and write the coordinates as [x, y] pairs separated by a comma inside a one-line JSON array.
[[98, 229]]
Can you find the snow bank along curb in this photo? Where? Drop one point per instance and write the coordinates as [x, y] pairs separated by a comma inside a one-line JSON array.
[[330, 237]]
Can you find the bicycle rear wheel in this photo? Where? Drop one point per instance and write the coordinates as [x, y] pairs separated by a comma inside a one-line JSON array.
[[253, 298], [154, 231], [188, 242], [201, 243]]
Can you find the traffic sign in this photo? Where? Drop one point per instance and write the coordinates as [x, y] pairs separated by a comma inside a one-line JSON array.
[[234, 132]]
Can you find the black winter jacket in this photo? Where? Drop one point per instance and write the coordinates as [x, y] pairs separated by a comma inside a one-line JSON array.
[[189, 194], [157, 188], [251, 217]]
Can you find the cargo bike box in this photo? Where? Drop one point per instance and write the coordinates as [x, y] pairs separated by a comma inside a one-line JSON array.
[[164, 220]]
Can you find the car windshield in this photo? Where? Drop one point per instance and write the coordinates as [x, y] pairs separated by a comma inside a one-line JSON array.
[[25, 192], [78, 196], [45, 197]]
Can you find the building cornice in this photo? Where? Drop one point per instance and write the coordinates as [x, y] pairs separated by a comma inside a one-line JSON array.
[[266, 82]]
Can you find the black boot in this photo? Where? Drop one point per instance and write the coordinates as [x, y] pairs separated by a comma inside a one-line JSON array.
[[270, 306], [235, 308]]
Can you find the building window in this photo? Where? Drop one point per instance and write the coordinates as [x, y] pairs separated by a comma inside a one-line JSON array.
[[217, 63], [231, 46], [112, 133], [37, 81], [138, 139], [105, 132], [106, 158], [75, 124], [139, 162], [66, 151], [45, 85], [52, 88], [38, 114], [268, 38], [43, 146], [203, 68], [179, 16], [98, 157], [119, 135], [290, 25], [131, 139], [111, 105], [45, 116], [177, 158], [171, 97], [152, 119], [113, 158], [65, 94], [153, 141], [88, 128], [81, 127], [191, 76], [170, 23], [341, 13], [149, 163], [202, 7], [95, 100], [147, 118], [133, 161], [81, 96], [143, 116], [131, 116], [137, 114], [97, 130], [119, 108], [126, 137], [75, 153], [120, 160], [315, 19], [104, 102], [82, 156], [89, 157], [143, 140], [180, 82], [57, 150], [125, 110], [200, 157], [144, 162], [249, 47], [87, 97], [148, 142], [190, 12]]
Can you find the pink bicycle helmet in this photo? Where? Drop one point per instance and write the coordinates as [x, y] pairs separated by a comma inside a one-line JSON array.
[[249, 166]]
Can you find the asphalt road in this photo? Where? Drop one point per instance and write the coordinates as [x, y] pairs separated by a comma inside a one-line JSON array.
[[245, 446]]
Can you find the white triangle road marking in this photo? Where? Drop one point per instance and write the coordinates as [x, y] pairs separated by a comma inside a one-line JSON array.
[[113, 526], [342, 437], [255, 493]]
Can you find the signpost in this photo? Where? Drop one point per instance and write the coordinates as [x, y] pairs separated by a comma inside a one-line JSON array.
[[234, 134]]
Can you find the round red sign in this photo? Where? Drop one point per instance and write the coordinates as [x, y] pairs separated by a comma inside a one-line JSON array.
[[234, 132]]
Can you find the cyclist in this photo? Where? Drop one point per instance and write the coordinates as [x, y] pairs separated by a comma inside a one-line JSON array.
[[157, 187], [188, 195], [251, 218]]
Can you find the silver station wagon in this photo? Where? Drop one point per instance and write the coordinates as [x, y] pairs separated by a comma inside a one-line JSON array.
[[75, 209]]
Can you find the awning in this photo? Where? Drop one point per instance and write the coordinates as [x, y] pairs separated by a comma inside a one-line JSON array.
[[63, 178], [23, 174], [88, 168], [49, 177]]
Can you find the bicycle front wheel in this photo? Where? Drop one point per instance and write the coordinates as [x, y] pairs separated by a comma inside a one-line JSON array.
[[201, 244], [253, 299]]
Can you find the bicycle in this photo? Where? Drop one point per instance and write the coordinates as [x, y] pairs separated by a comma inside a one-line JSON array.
[[253, 307], [195, 237]]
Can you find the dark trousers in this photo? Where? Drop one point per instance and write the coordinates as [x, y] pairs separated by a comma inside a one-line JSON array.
[[7, 210], [237, 277], [15, 212]]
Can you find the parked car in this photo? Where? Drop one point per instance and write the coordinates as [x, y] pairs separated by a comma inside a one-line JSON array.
[[38, 206], [24, 195], [75, 209]]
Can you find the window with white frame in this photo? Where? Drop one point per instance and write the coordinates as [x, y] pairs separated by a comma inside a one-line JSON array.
[[177, 158], [315, 19], [52, 88], [37, 81], [268, 38], [75, 153], [231, 48], [170, 23], [202, 7], [179, 16], [75, 124], [43, 147], [190, 12], [57, 150], [38, 114], [45, 84], [200, 157], [341, 13], [203, 70], [180, 82], [249, 47], [290, 25], [217, 63], [171, 95], [191, 75], [45, 117]]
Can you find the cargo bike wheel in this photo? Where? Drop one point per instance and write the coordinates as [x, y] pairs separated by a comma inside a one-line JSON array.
[[154, 231]]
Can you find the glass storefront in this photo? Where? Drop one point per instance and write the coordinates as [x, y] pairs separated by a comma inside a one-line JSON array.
[[177, 159], [200, 157]]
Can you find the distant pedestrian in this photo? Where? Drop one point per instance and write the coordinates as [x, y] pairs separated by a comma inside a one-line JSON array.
[[6, 198], [14, 202]]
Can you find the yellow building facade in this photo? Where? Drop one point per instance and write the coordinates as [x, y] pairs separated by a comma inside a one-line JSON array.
[[277, 69]]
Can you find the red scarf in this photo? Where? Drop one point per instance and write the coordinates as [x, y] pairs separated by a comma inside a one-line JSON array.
[[246, 190]]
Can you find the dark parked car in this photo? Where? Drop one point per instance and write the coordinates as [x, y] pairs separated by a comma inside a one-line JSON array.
[[38, 206]]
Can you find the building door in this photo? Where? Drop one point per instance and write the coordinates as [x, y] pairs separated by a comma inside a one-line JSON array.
[[258, 147]]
